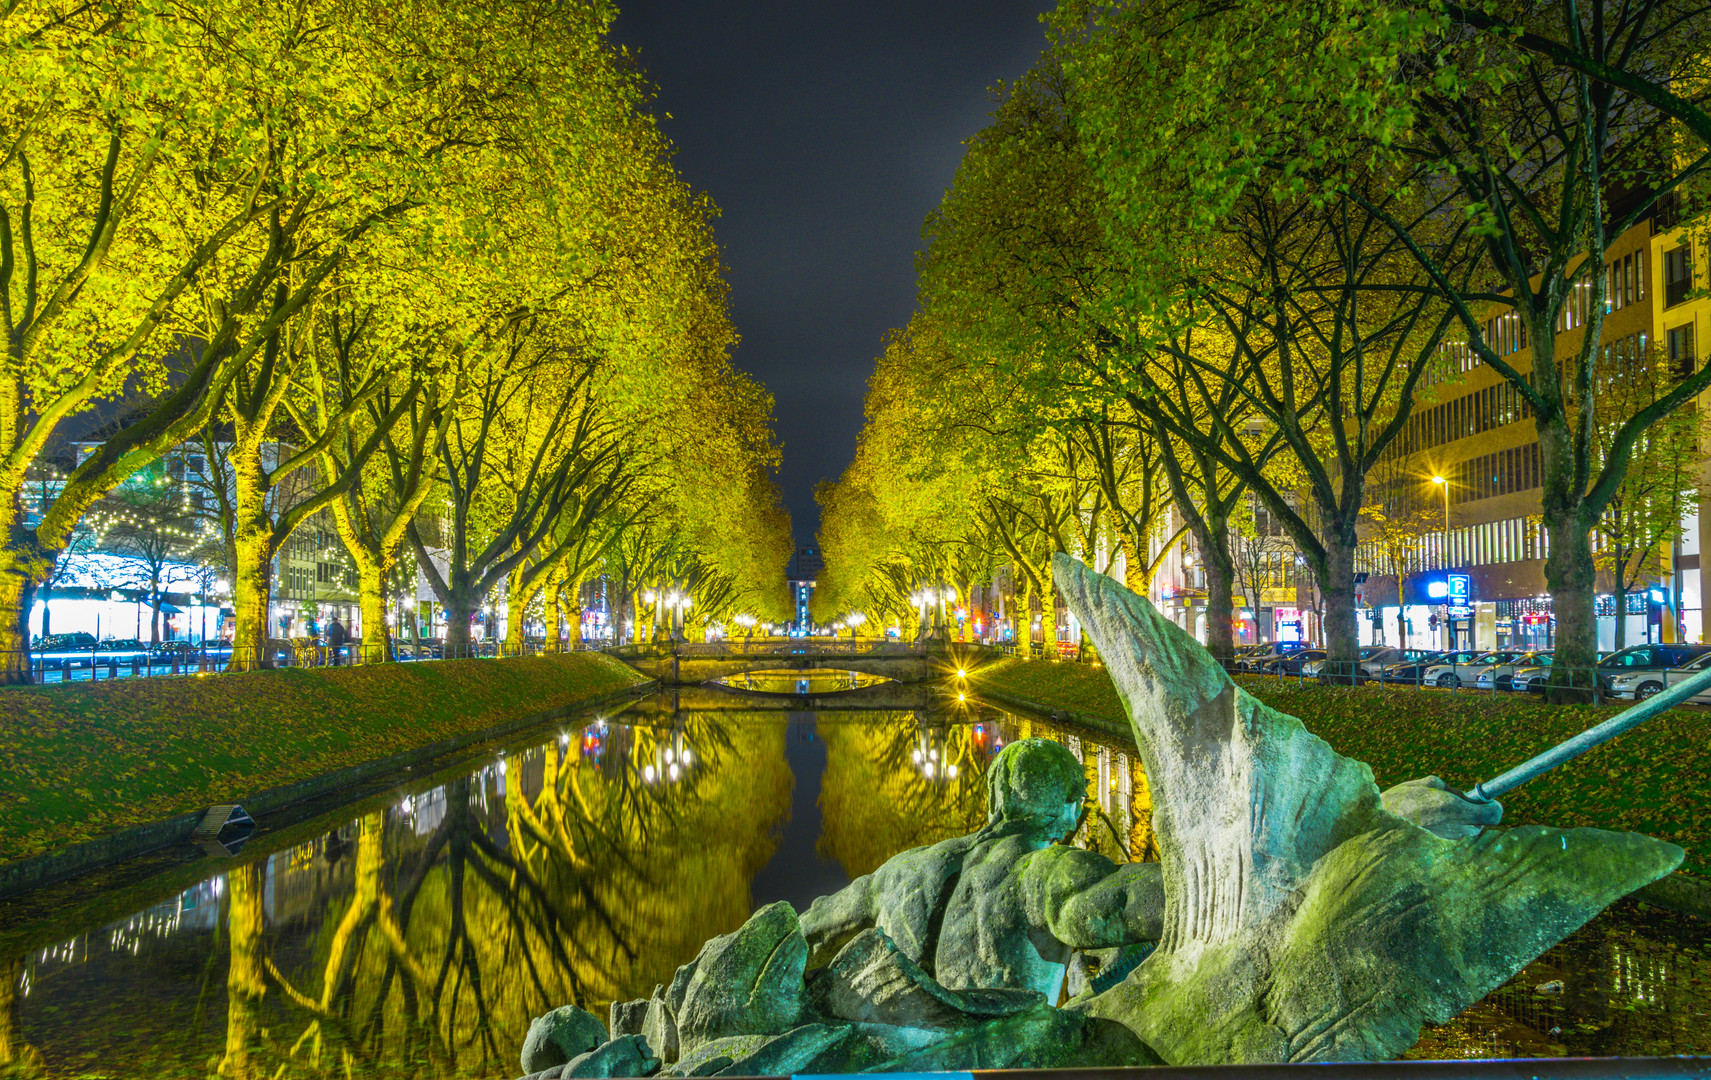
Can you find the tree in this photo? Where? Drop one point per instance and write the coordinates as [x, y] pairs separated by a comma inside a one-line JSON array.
[[137, 157], [1645, 512], [147, 519], [1261, 555], [1398, 526], [1551, 129]]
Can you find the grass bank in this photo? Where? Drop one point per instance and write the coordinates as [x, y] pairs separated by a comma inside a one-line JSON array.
[[1650, 780], [84, 760]]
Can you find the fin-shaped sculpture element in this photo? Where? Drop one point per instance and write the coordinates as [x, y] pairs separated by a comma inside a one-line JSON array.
[[1304, 921]]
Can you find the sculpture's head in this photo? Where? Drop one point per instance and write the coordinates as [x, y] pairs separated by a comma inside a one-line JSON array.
[[1037, 786]]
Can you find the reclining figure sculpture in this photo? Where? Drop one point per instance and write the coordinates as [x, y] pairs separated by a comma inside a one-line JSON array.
[[1300, 914]]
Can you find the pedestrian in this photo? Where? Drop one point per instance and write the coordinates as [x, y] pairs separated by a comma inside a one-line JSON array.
[[337, 636]]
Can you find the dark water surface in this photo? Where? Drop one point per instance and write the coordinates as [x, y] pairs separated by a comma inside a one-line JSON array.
[[416, 933]]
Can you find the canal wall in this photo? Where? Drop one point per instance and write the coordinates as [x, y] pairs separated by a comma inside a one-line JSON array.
[[97, 772], [1649, 780]]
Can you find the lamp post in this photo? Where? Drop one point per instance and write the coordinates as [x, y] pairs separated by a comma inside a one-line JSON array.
[[1449, 625]]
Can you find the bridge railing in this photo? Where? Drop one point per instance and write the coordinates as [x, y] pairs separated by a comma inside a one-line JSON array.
[[781, 648]]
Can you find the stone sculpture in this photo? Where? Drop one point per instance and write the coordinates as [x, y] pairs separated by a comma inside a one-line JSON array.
[[1300, 914], [1304, 919]]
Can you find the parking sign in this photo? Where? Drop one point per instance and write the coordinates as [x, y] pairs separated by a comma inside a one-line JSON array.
[[1461, 588]]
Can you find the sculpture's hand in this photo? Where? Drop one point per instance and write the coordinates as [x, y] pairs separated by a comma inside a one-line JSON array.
[[831, 921], [1438, 808]]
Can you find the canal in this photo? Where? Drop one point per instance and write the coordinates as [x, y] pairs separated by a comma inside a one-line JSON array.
[[415, 930]]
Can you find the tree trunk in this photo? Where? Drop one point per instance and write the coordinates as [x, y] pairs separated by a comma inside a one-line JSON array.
[[1401, 616], [1135, 576], [1220, 602], [1048, 615], [550, 613], [1337, 588], [460, 609], [251, 586], [371, 593], [1620, 596], [573, 616], [155, 600], [17, 595], [252, 564], [515, 609], [1570, 578]]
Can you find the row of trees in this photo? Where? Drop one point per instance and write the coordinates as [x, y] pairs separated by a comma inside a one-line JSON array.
[[1209, 257], [427, 268]]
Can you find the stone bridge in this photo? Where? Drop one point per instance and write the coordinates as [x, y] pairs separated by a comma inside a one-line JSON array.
[[687, 663]]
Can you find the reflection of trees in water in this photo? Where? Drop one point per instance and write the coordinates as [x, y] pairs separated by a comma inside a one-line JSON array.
[[566, 878], [17, 1056], [878, 797]]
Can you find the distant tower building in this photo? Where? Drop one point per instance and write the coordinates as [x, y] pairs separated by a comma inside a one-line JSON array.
[[802, 574]]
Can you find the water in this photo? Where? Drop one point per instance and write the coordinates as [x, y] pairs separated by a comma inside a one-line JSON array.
[[415, 932], [809, 681]]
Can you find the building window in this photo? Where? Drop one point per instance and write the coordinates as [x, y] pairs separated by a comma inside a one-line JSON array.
[[1677, 275], [1679, 344]]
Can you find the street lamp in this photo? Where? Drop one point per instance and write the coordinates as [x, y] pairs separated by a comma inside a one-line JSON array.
[[1444, 554], [1444, 557]]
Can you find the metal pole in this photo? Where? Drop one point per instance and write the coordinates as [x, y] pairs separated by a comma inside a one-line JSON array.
[[1449, 624], [1694, 684]]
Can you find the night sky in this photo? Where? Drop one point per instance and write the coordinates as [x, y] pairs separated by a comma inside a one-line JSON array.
[[825, 131]]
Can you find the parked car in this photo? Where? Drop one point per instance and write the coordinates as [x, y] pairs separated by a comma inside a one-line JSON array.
[[1692, 667], [1531, 678], [1457, 668], [1638, 672], [1498, 676], [1290, 663], [1276, 650], [421, 649], [1410, 669], [1365, 653], [1375, 666], [64, 651], [120, 651], [185, 652], [1245, 655]]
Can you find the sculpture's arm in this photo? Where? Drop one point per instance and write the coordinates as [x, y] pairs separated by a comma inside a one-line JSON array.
[[1440, 809], [832, 920], [1087, 901]]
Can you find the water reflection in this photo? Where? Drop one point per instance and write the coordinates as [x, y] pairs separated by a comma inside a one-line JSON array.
[[418, 937], [801, 682], [1637, 980]]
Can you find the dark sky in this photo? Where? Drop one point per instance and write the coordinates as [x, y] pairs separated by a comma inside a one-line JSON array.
[[825, 130]]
